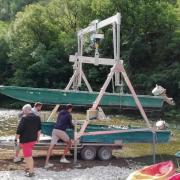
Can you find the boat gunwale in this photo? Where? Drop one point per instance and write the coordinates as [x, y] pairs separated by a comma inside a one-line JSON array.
[[76, 92]]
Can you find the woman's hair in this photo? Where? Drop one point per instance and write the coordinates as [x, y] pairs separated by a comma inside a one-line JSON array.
[[26, 108]]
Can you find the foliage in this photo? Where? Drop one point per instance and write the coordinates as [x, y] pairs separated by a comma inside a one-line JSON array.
[[5, 67], [9, 8], [37, 38]]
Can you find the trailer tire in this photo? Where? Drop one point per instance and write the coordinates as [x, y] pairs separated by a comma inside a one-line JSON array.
[[104, 153], [88, 153]]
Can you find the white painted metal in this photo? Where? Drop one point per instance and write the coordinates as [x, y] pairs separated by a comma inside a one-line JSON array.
[[72, 80], [97, 36], [135, 97], [103, 89], [114, 41], [86, 82], [117, 74], [117, 67], [98, 25], [52, 113], [80, 63], [91, 60]]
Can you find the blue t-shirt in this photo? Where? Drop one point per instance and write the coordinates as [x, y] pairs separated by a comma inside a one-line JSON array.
[[64, 121]]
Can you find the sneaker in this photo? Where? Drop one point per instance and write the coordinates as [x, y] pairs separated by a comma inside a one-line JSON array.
[[16, 159], [48, 165], [64, 160], [29, 174]]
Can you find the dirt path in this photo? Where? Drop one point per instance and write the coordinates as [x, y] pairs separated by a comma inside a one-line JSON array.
[[6, 161]]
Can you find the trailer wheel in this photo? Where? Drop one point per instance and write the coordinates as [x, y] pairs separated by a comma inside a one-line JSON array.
[[88, 153], [104, 153]]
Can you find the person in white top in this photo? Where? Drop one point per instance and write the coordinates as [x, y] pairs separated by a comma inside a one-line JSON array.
[[37, 108]]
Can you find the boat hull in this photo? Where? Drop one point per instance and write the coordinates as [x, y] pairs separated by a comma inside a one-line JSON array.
[[175, 177], [132, 135], [160, 171], [55, 96]]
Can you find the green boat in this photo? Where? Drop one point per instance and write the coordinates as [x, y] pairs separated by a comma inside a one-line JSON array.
[[128, 135], [56, 96]]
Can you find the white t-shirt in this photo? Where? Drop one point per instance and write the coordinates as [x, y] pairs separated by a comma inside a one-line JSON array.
[[35, 111]]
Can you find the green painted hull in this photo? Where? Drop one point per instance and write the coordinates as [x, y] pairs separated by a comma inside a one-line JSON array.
[[134, 135], [55, 96]]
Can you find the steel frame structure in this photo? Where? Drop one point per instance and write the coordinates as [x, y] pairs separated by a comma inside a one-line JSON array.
[[116, 63], [116, 70]]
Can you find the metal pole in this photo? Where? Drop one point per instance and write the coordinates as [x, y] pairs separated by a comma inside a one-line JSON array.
[[80, 62], [154, 146], [114, 41], [118, 36], [103, 89], [75, 142], [135, 97]]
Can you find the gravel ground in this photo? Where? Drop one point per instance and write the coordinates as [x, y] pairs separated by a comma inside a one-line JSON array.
[[95, 173]]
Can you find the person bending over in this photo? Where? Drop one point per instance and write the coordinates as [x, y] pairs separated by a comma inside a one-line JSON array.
[[63, 122]]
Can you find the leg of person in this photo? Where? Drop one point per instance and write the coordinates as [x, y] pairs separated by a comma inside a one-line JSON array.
[[47, 164], [29, 171], [29, 163], [63, 135], [54, 140], [66, 149], [16, 157], [24, 149]]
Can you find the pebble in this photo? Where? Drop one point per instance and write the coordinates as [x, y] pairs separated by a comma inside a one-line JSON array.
[[95, 173]]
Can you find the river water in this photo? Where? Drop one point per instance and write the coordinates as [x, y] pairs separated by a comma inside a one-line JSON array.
[[9, 121]]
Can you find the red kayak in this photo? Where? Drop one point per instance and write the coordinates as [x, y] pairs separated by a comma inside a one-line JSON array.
[[175, 177], [160, 171]]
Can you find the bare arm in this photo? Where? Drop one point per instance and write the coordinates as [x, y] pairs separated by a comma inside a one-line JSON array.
[[39, 130], [38, 136], [70, 121], [20, 129], [17, 137]]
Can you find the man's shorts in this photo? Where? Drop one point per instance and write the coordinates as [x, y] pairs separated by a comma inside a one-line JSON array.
[[59, 134], [27, 148]]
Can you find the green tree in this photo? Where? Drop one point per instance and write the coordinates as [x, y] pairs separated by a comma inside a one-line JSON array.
[[36, 51], [9, 8], [5, 67]]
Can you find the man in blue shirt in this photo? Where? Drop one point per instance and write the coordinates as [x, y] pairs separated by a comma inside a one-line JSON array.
[[63, 122]]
